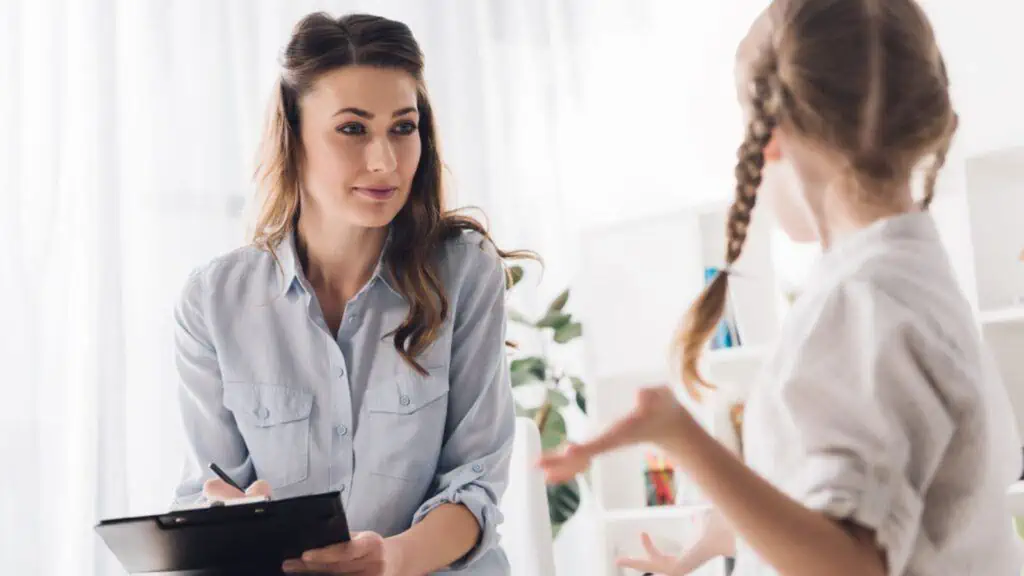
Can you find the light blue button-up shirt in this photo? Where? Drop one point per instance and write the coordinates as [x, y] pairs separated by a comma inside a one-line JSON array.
[[267, 392]]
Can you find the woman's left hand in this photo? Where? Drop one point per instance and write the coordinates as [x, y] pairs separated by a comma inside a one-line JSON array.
[[367, 554], [657, 417]]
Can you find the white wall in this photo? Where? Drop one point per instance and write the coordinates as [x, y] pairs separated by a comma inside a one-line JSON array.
[[982, 44], [981, 41], [659, 123]]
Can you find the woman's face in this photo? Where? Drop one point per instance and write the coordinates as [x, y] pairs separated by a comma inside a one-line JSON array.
[[361, 145]]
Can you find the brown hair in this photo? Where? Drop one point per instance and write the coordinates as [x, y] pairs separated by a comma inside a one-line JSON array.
[[865, 81], [320, 44]]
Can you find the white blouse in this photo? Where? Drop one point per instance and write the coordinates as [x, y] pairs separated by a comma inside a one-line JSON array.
[[882, 406]]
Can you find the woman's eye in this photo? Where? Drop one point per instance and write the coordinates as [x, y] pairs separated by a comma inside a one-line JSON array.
[[351, 129], [404, 128]]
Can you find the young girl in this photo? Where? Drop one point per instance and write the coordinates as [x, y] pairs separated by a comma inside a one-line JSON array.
[[878, 439]]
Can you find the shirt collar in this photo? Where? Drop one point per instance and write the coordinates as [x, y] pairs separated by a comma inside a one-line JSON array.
[[294, 277], [914, 226]]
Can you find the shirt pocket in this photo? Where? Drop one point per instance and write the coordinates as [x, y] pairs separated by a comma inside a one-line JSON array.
[[274, 422], [407, 420]]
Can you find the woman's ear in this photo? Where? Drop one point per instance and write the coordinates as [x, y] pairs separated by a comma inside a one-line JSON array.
[[773, 151]]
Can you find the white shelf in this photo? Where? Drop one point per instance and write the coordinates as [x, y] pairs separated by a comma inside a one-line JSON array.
[[735, 354], [1008, 315], [1015, 499], [994, 203], [682, 512]]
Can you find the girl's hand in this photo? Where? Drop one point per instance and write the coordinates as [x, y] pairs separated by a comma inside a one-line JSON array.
[[715, 538], [660, 563], [657, 417], [657, 562], [367, 554]]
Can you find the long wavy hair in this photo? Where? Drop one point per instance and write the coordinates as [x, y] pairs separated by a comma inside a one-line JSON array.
[[319, 44], [865, 80]]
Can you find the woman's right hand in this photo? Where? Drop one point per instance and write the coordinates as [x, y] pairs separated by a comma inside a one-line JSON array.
[[715, 538], [217, 490]]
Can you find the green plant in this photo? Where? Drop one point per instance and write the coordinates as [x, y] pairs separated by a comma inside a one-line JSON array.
[[561, 391]]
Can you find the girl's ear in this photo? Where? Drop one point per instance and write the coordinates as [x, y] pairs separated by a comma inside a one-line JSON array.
[[773, 151]]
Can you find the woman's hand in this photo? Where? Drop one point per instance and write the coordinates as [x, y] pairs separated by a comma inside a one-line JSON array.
[[657, 417], [217, 490], [367, 554], [715, 538]]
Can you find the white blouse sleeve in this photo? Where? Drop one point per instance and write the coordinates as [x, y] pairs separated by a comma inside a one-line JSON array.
[[869, 426]]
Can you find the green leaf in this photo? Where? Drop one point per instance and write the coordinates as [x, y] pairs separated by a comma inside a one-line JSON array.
[[581, 403], [580, 389], [563, 502], [519, 318], [557, 399], [554, 320], [520, 377], [529, 369], [568, 333], [559, 302], [515, 274], [553, 435]]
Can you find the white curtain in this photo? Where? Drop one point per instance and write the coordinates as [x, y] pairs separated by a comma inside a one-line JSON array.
[[127, 133]]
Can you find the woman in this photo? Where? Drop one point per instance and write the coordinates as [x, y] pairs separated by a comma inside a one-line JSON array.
[[358, 344]]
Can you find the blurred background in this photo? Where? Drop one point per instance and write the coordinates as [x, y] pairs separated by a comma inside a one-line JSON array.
[[127, 136]]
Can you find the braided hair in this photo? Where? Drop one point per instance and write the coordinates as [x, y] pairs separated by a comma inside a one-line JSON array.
[[706, 312]]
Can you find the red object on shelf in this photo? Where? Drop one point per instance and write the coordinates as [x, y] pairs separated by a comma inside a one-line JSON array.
[[659, 481]]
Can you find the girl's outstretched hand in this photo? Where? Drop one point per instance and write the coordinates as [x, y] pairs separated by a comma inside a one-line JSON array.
[[657, 417], [714, 538]]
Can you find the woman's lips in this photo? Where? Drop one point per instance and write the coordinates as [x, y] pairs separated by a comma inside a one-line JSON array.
[[376, 192]]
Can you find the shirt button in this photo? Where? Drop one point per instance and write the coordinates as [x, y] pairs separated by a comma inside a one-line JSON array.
[[341, 372], [262, 412], [478, 468], [404, 400], [342, 430]]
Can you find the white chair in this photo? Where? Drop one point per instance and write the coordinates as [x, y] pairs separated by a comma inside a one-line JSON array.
[[526, 532]]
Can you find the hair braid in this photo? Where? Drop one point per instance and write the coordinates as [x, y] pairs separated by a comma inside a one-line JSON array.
[[705, 313]]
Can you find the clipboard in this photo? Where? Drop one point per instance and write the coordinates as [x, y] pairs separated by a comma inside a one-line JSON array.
[[253, 538]]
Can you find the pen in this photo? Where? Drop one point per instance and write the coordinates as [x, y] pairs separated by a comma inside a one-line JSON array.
[[224, 476]]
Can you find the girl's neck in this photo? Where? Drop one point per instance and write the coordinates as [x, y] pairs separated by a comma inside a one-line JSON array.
[[842, 212]]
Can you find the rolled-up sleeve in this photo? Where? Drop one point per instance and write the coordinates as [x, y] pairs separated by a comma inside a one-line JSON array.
[[867, 423], [211, 433], [480, 427]]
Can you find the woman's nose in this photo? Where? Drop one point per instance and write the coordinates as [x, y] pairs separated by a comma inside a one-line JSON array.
[[380, 156]]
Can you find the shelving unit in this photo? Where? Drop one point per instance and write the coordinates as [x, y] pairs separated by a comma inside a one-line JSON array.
[[656, 266], [626, 515], [628, 347], [1015, 499], [1008, 315], [735, 355], [995, 206]]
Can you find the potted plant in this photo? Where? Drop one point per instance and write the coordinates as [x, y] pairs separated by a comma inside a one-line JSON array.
[[559, 391]]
